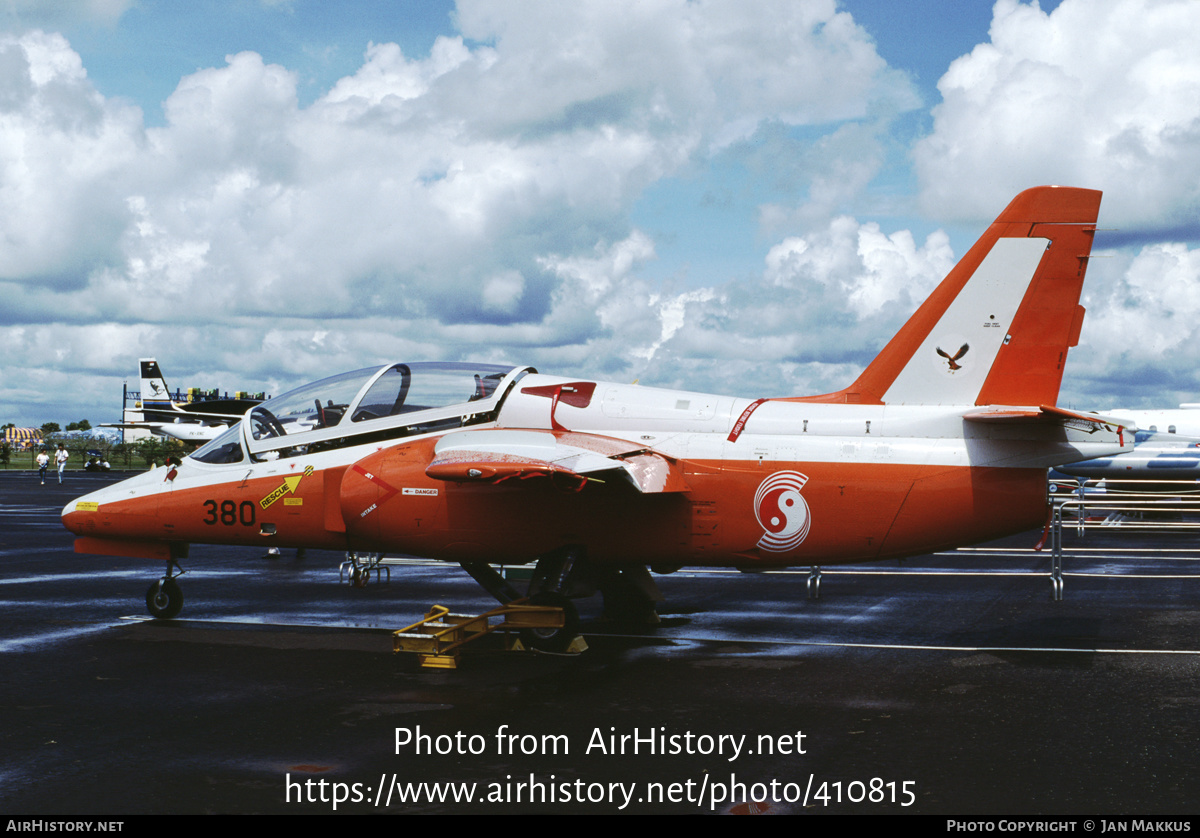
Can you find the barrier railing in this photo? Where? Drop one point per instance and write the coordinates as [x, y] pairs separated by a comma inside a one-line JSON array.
[[1167, 506]]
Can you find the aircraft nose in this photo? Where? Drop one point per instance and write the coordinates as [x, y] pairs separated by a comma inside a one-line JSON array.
[[77, 514]]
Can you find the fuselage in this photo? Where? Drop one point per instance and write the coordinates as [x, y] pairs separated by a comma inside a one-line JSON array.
[[751, 483]]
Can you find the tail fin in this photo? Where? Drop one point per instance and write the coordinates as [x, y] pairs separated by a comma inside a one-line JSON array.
[[153, 387], [998, 327]]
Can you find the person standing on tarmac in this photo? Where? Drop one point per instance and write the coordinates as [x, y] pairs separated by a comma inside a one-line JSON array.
[[60, 457], [43, 460]]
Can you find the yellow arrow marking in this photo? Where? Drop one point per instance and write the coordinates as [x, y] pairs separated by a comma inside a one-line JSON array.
[[288, 487]]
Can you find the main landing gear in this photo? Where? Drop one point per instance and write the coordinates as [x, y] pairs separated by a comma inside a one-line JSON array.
[[553, 639], [164, 598], [546, 639], [629, 593]]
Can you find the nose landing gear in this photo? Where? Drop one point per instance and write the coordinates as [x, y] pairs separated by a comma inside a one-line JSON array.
[[164, 598]]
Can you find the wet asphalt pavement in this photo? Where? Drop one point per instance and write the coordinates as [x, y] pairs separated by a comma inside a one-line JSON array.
[[919, 688]]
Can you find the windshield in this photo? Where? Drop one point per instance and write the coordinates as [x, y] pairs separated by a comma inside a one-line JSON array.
[[226, 448], [311, 407]]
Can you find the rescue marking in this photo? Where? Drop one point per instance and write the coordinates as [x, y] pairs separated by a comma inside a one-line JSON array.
[[87, 506], [432, 492], [288, 486]]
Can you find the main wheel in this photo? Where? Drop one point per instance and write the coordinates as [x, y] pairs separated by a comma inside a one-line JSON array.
[[553, 639], [164, 600]]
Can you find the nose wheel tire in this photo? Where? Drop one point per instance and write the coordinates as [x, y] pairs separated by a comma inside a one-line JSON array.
[[164, 599], [553, 639]]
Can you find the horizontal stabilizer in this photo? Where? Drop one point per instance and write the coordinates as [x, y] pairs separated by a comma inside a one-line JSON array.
[[1048, 415]]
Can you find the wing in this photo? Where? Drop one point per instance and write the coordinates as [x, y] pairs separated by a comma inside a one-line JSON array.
[[498, 456]]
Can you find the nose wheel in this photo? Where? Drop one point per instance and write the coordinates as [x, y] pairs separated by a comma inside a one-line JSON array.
[[164, 598]]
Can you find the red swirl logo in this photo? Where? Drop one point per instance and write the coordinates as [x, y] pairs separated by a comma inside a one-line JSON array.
[[782, 511]]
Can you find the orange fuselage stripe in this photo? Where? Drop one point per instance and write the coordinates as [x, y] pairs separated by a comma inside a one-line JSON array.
[[856, 512]]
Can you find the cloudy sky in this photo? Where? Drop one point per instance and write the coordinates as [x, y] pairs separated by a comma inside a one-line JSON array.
[[744, 197]]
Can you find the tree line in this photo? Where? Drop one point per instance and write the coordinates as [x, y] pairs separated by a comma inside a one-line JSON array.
[[124, 455]]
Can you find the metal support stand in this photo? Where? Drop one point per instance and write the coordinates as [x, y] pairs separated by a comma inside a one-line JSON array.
[[1056, 571], [1081, 510], [814, 582], [439, 636]]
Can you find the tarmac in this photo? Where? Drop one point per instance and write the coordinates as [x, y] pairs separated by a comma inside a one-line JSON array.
[[950, 684]]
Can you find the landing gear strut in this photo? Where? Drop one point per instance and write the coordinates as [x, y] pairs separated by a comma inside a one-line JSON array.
[[629, 592], [548, 587], [630, 595], [164, 599]]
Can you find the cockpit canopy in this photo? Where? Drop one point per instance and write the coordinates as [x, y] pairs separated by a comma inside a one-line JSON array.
[[366, 405]]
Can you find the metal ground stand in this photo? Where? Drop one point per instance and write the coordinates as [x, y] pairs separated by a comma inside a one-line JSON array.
[[439, 637]]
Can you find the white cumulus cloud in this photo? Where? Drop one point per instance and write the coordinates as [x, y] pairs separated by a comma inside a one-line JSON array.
[[472, 201], [1102, 94]]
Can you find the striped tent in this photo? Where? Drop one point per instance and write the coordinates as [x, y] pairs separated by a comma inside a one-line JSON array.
[[22, 438]]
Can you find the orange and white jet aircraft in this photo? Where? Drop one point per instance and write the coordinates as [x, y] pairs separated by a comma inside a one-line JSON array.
[[943, 440]]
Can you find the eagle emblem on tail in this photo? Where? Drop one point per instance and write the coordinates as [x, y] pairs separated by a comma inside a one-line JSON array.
[[952, 360]]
